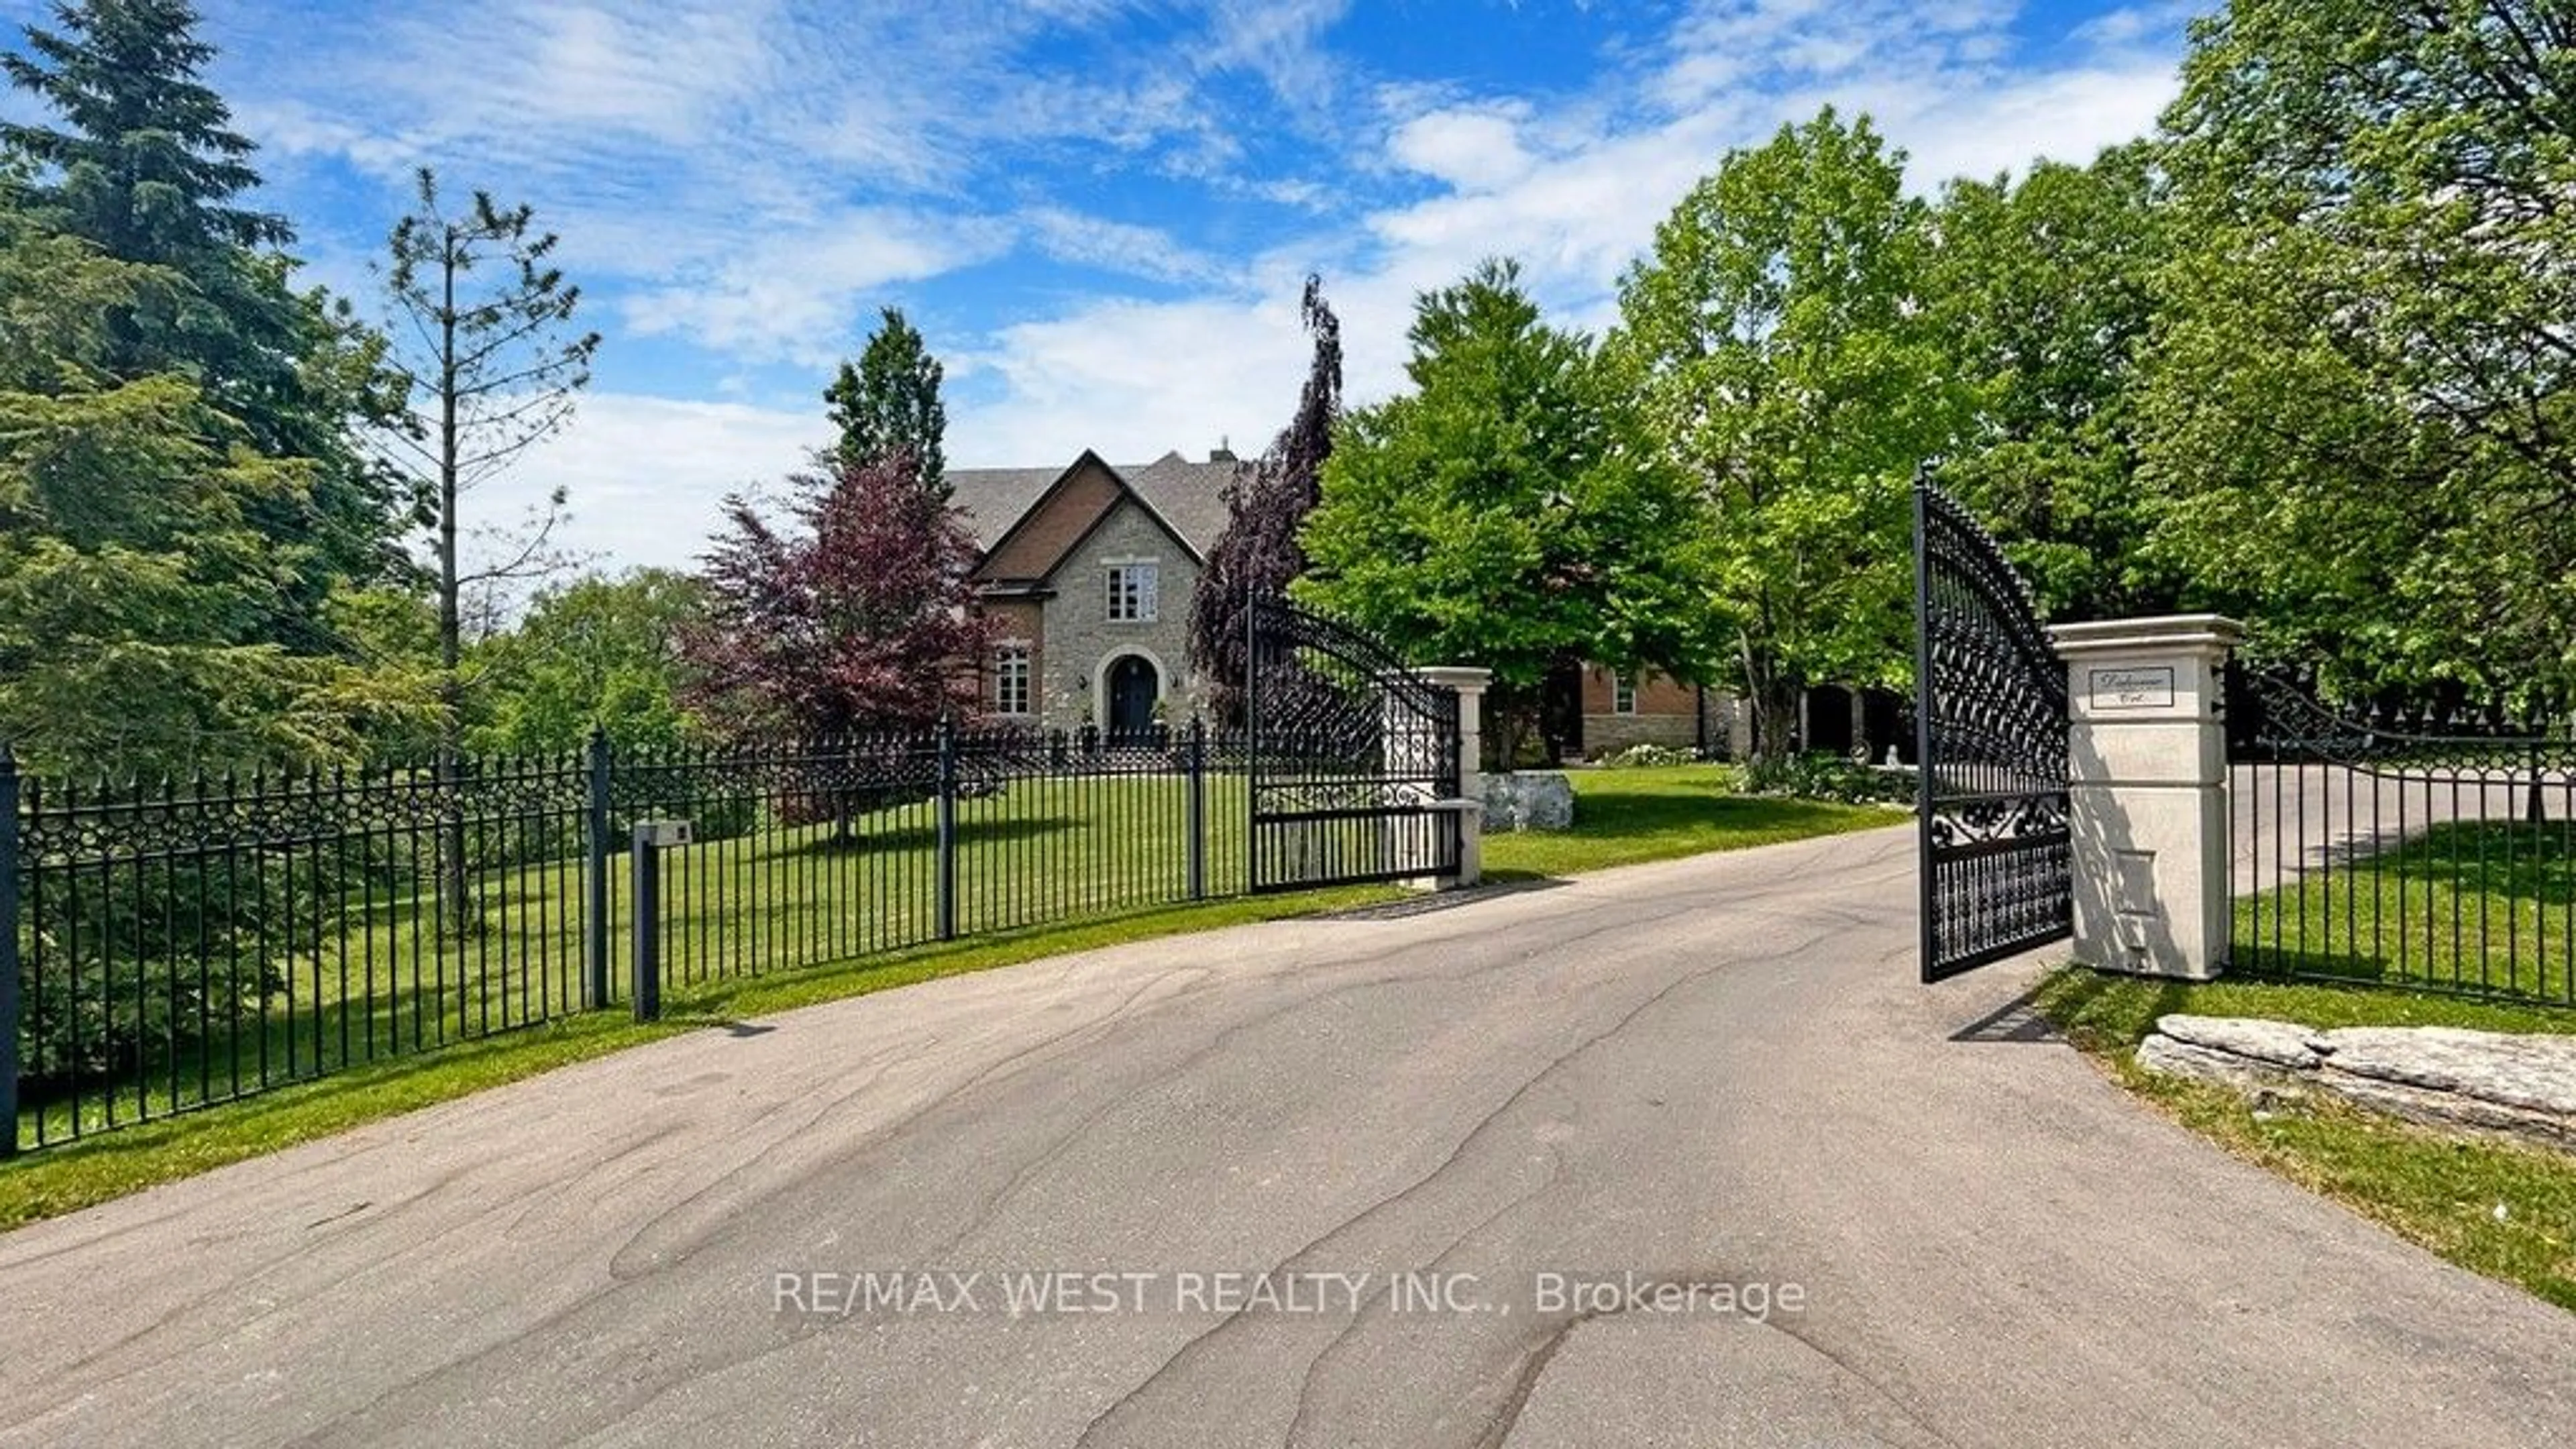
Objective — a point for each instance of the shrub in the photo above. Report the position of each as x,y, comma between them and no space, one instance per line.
1826,776
1647,757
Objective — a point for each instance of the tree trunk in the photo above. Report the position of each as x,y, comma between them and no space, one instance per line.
455,910
1771,698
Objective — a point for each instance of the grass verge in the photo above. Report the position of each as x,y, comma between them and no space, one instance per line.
1624,817
2507,1212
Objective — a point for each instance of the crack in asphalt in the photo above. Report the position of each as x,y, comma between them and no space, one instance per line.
1620,908
1314,1366
1398,1198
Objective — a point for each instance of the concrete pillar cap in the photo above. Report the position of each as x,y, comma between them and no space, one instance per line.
2183,633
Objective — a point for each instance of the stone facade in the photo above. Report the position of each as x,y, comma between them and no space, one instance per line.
1083,642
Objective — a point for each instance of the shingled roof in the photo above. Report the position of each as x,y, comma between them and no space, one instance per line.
1190,496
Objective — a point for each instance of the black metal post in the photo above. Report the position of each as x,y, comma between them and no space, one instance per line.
1252,744
644,866
8,953
1925,763
1198,808
594,983
947,829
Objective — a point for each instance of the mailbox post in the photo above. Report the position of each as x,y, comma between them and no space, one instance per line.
645,874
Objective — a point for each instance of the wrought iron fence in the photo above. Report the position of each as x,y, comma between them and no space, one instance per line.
165,948
2417,844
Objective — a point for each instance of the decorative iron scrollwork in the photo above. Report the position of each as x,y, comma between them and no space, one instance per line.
1991,717
1349,753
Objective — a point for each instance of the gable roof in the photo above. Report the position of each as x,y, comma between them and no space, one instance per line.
1187,498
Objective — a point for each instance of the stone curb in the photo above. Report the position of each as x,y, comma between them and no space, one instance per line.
2479,1082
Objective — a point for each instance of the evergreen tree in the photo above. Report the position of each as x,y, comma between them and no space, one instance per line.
150,168
133,583
146,167
1266,505
490,369
889,401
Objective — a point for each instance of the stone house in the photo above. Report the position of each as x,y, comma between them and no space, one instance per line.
1088,571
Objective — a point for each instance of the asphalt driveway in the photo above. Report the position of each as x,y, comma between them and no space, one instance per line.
1676,1155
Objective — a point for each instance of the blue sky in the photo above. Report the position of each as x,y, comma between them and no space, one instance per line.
1098,211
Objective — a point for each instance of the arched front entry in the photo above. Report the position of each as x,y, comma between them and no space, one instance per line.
1133,684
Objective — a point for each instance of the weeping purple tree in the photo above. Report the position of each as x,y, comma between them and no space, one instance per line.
1265,506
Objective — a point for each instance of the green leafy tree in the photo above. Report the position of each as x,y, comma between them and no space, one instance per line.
889,400
1505,513
1787,366
597,653
2043,292
146,168
2358,399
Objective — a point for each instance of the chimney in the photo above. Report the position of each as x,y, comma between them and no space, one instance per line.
1223,452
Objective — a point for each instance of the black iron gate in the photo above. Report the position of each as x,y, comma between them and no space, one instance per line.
1352,758
1990,721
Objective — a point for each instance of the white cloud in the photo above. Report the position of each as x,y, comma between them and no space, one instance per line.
646,477
1469,148
1130,380
790,296
750,180
1138,251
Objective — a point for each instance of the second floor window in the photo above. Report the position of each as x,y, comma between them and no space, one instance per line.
1131,593
1011,679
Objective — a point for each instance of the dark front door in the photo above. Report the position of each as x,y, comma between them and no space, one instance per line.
1133,688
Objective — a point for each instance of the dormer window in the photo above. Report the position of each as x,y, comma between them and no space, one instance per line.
1132,592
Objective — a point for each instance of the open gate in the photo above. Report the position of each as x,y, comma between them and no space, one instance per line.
1990,721
1352,757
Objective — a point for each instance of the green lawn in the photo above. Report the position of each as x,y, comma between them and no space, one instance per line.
2484,908
1625,817
767,921
2508,1212
369,975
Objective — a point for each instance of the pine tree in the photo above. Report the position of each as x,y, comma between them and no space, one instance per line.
889,401
490,370
133,586
150,167
146,167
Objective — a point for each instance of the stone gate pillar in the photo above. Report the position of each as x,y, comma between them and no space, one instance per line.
2147,786
1469,805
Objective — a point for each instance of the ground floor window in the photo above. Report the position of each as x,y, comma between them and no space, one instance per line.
1011,679
1623,694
